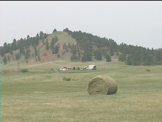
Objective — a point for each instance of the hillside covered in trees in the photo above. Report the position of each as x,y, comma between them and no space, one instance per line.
75,46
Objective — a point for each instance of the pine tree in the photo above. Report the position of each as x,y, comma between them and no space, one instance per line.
108,58
14,45
98,55
73,49
54,31
73,68
8,58
5,60
17,55
129,60
27,55
2,51
56,49
122,57
35,50
58,55
52,44
41,35
53,51
43,41
47,45
39,58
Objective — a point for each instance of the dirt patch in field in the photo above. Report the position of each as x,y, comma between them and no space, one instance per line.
44,57
31,61
60,46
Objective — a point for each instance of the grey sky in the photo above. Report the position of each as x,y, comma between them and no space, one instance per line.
131,22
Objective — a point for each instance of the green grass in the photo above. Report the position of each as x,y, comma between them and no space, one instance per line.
45,97
63,38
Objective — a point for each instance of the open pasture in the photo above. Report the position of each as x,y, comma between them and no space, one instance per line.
46,97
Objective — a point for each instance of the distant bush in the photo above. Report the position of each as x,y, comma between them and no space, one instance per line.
73,68
24,70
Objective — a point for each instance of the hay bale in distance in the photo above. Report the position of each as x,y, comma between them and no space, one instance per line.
66,79
102,84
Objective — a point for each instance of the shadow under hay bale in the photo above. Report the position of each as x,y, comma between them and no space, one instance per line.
102,84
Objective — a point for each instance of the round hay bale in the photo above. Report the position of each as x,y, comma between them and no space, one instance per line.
66,78
102,84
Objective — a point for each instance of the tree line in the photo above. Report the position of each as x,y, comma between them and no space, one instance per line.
88,46
131,55
137,55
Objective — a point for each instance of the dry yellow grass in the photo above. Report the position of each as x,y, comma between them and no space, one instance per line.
45,97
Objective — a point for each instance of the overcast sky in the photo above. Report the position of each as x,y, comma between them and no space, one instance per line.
131,22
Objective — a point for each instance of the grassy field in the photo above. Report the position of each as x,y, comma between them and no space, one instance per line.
45,97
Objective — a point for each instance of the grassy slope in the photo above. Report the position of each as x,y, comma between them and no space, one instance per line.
45,97
63,37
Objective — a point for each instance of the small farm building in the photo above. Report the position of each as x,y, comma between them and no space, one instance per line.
92,67
65,68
